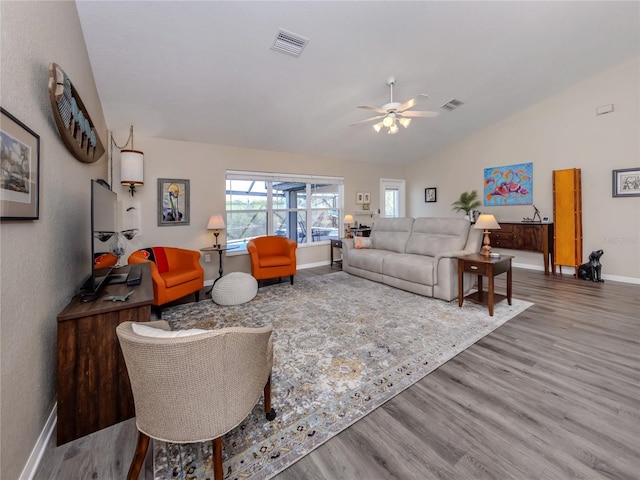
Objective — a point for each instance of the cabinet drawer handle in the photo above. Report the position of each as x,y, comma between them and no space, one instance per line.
474,267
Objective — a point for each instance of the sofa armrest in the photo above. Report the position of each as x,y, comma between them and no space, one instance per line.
452,255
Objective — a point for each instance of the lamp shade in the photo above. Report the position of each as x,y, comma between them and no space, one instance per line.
348,219
216,222
131,167
487,222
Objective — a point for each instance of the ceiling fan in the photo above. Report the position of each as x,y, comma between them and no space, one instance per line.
393,113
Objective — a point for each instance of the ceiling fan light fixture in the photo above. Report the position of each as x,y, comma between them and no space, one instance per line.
377,127
405,122
389,120
393,129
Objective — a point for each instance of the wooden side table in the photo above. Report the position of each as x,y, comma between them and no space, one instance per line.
335,244
93,383
484,266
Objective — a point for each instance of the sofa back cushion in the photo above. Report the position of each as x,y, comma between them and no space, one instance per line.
391,233
433,236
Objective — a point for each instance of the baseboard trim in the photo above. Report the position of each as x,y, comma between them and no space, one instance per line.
39,449
613,278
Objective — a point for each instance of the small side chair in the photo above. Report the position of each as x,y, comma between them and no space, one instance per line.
212,378
272,257
175,273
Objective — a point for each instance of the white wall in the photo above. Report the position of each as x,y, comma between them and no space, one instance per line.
42,261
558,133
204,166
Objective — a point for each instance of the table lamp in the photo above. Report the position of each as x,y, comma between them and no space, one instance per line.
348,220
486,222
216,223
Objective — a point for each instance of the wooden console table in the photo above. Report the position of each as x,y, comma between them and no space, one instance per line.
93,384
527,236
484,266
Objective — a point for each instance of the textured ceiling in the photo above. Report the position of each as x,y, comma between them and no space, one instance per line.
204,71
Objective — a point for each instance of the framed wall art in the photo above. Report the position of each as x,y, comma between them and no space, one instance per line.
20,164
626,182
359,198
366,196
509,185
430,195
173,202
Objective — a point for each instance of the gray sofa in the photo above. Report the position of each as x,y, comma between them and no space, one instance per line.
418,255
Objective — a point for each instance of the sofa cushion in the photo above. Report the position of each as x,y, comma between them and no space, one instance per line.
368,259
412,268
391,233
435,236
362,242
146,331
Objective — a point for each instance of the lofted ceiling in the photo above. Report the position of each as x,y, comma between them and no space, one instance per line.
204,71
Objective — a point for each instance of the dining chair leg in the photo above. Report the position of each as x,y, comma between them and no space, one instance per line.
271,413
138,456
291,279
217,458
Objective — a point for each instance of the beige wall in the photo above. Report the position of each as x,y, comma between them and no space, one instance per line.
40,260
205,165
560,132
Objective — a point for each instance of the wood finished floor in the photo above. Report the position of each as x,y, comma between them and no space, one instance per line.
552,394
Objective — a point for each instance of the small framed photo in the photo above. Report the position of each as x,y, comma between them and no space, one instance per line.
173,202
430,195
366,206
626,182
366,197
20,179
359,198
546,220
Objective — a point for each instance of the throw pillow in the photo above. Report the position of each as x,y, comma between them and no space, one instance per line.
146,331
362,242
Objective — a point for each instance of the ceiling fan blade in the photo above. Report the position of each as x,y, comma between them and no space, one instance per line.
367,120
375,109
423,114
411,103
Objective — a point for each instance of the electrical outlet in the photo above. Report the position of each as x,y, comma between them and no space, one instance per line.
207,258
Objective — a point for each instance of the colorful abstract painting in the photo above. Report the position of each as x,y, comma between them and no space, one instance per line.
509,185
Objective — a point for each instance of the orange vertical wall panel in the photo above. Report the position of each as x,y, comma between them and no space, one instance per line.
567,213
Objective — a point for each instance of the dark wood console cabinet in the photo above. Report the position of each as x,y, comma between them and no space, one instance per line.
531,237
93,384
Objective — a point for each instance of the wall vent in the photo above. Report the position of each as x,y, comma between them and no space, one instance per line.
451,105
289,43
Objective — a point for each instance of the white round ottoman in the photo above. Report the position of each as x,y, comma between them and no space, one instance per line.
234,288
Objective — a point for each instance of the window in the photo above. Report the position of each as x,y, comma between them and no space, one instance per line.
392,195
306,209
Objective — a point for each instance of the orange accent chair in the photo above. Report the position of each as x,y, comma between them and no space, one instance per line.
272,257
175,273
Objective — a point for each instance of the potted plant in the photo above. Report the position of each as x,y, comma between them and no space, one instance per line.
467,202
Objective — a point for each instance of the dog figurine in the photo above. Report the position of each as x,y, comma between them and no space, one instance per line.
591,270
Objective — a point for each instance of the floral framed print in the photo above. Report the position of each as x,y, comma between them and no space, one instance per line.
173,202
20,163
430,195
626,182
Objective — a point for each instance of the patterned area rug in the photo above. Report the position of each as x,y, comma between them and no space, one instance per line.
343,346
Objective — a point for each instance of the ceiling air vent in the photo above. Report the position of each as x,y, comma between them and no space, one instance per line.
289,43
451,105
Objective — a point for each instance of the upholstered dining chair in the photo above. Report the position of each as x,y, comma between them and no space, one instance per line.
272,257
194,385
175,273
